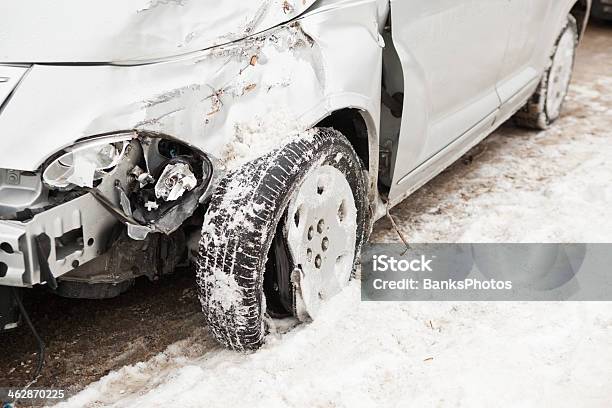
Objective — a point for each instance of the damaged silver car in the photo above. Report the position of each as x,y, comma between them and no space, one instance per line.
261,138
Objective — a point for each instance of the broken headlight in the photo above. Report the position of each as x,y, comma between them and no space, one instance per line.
86,162
150,183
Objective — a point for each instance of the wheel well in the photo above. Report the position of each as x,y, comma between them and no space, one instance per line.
351,124
579,11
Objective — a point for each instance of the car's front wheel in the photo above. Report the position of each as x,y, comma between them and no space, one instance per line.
281,234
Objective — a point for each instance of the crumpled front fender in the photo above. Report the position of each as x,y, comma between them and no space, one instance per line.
233,102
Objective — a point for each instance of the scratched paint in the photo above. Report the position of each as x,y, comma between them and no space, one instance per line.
286,78
135,30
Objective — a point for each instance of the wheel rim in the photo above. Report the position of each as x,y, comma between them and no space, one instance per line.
560,74
321,231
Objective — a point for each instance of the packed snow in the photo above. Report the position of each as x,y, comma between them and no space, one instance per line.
367,354
517,186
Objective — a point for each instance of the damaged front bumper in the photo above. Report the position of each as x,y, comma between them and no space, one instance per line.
53,242
150,184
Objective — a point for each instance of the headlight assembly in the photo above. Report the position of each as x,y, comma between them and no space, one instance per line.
152,184
86,162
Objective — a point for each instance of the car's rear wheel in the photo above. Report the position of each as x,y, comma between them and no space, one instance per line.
545,106
281,233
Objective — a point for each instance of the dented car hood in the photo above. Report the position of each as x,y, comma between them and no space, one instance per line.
75,31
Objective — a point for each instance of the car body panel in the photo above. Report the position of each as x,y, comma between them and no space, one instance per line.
286,79
10,76
524,62
523,59
77,31
431,37
433,135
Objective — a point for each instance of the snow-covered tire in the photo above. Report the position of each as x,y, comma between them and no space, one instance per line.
545,105
241,222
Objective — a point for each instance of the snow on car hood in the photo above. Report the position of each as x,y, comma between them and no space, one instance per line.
130,30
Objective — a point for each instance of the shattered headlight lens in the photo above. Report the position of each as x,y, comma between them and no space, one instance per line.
86,162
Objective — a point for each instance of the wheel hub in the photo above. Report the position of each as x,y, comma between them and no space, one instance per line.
321,231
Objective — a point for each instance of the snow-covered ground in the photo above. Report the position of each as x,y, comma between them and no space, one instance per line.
403,354
520,186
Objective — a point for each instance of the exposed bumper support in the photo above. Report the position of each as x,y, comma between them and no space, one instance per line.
65,237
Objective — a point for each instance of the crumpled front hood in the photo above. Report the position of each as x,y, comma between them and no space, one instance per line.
80,31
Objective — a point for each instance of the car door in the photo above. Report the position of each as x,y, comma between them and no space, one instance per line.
451,52
527,51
